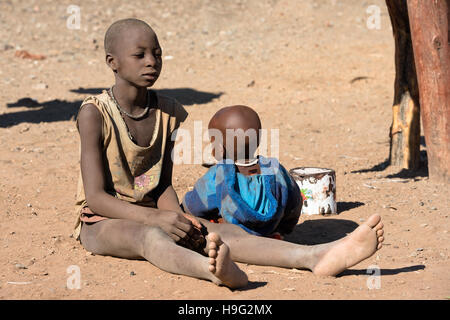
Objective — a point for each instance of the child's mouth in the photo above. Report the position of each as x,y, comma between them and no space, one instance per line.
151,76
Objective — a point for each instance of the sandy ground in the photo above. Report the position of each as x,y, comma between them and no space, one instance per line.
312,69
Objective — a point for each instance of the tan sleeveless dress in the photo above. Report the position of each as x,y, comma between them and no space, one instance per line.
131,171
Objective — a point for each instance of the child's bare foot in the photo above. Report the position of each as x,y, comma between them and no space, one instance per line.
221,265
363,242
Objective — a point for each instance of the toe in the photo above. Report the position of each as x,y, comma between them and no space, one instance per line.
212,253
380,239
212,246
212,268
373,220
212,261
379,226
380,232
214,237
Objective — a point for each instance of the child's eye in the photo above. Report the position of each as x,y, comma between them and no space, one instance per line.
139,55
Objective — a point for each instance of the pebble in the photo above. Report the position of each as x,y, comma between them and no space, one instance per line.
20,266
132,273
423,225
40,86
433,208
419,249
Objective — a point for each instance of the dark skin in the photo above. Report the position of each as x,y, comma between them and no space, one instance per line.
237,117
136,64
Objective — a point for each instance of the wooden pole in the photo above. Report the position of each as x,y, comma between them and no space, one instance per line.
405,129
429,24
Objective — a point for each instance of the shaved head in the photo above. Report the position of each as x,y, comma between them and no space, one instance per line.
112,36
239,127
235,117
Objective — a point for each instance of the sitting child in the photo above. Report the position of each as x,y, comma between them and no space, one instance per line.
258,194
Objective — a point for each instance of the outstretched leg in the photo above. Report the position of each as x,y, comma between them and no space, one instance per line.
323,259
132,240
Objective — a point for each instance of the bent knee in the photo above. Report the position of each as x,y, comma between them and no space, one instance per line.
88,237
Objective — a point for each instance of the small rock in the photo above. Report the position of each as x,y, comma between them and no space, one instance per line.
423,225
433,208
289,289
419,249
20,266
37,150
29,205
7,46
40,86
132,273
421,204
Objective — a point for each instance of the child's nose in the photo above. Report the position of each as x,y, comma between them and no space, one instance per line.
150,60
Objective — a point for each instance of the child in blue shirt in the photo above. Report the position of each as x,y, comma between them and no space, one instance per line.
256,193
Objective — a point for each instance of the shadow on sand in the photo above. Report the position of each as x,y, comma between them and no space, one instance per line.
63,110
383,272
311,232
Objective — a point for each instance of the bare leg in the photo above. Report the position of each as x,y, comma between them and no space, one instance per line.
323,259
132,240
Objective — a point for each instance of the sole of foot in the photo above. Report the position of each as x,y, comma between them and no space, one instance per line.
225,271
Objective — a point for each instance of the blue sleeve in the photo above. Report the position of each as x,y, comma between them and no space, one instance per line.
201,201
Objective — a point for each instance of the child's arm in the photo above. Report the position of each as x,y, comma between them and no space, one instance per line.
90,127
165,194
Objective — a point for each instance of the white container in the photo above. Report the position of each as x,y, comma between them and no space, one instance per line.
318,189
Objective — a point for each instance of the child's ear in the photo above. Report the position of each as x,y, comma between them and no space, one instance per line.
111,62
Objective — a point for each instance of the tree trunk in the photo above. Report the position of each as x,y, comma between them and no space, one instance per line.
405,128
430,40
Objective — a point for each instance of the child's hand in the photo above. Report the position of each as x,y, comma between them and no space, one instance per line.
183,228
194,221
